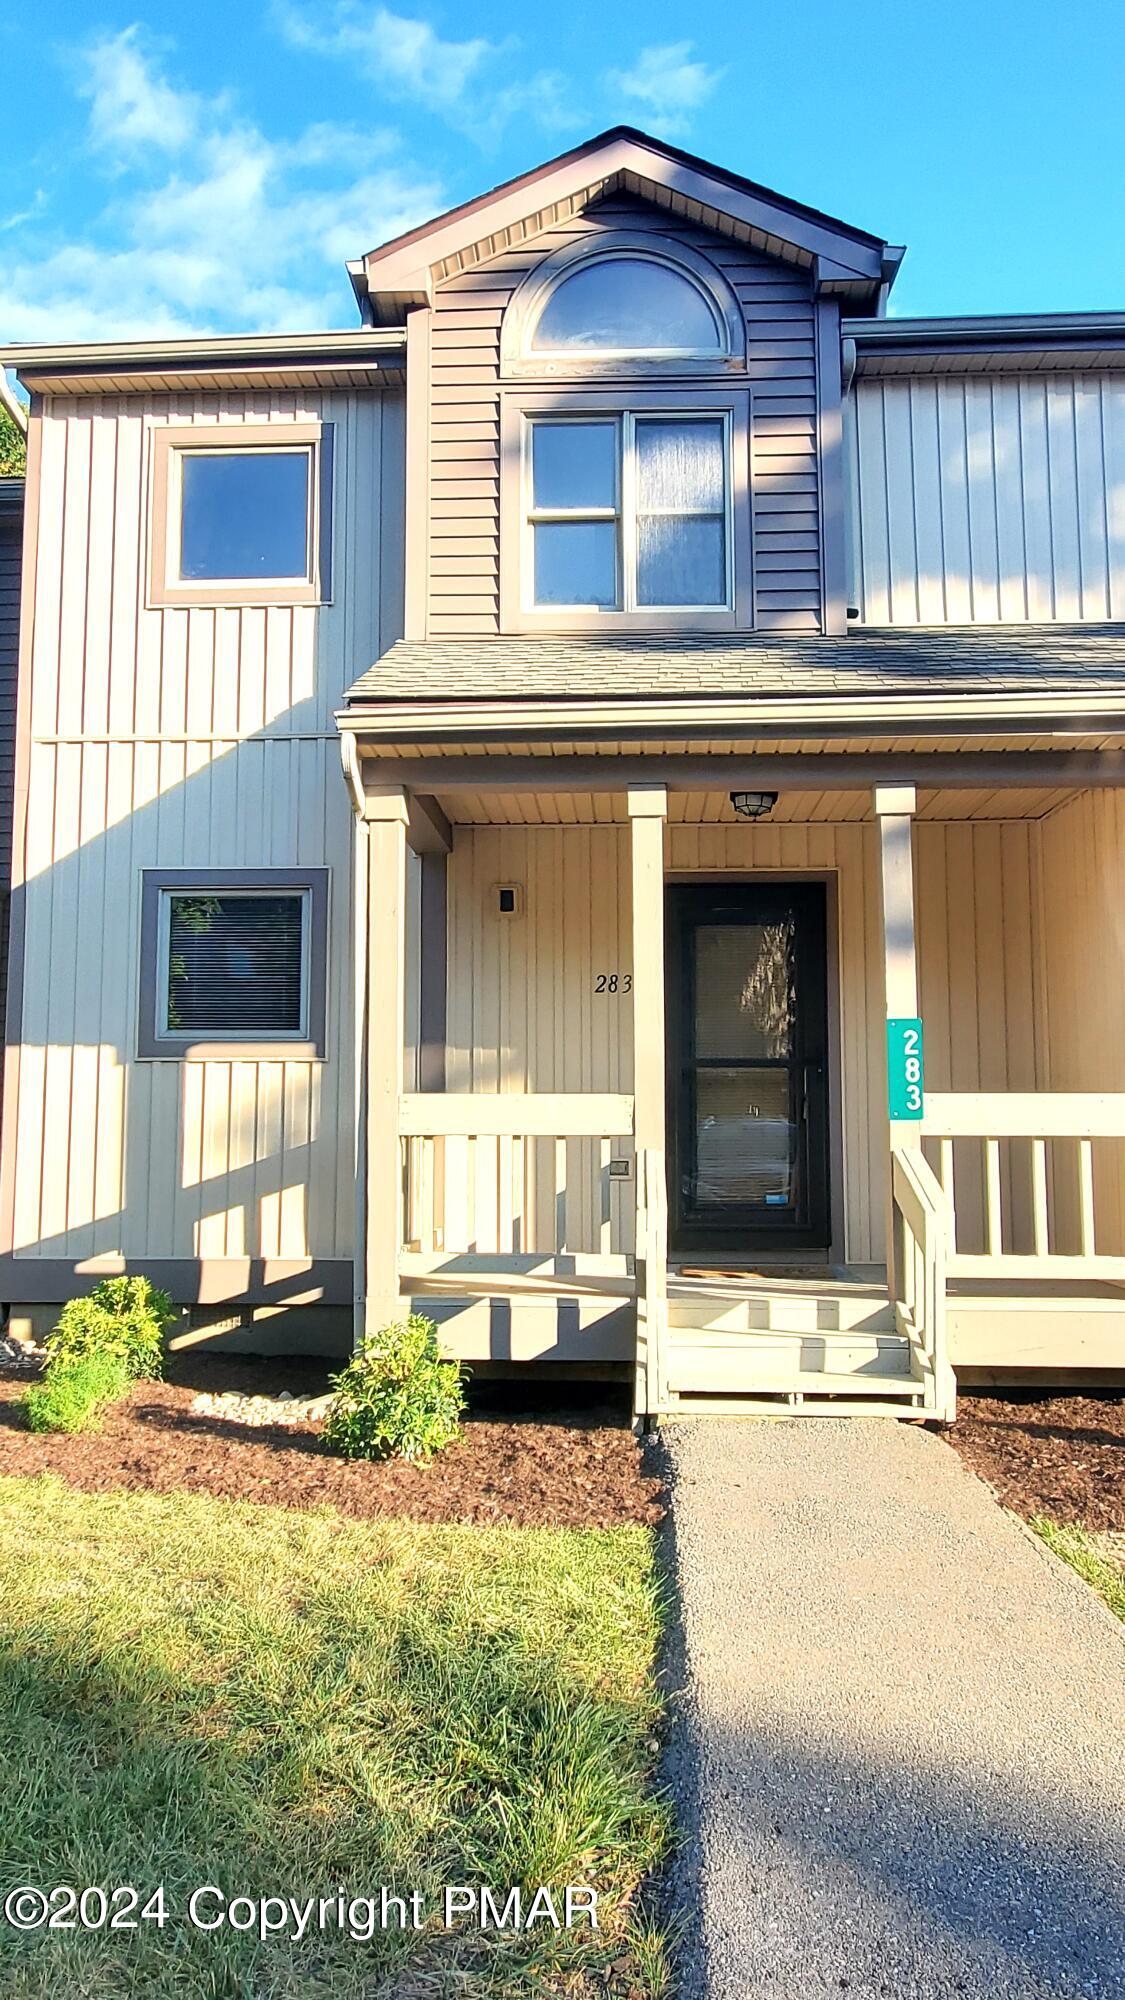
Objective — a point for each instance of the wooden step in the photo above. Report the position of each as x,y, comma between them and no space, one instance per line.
767,1310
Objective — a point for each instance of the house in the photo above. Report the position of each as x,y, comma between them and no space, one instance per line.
707,964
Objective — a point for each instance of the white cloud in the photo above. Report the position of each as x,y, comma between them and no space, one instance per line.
132,105
406,59
240,231
667,84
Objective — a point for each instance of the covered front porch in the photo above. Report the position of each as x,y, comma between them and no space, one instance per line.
524,1172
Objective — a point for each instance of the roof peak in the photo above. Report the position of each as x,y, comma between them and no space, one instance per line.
405,268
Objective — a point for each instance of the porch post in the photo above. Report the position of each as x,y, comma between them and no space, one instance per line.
386,814
648,810
894,810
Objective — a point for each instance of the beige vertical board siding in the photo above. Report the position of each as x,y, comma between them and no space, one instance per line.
464,593
169,1159
524,1016
1084,955
987,499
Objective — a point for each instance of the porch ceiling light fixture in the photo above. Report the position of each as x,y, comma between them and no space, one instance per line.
753,805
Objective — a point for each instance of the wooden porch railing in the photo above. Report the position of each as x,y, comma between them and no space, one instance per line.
1039,1203
918,1221
514,1177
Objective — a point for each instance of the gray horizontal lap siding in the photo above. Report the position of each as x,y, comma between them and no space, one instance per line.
464,531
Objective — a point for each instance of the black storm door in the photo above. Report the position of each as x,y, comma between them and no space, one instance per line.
747,1048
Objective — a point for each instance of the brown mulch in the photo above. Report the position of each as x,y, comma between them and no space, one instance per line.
575,1467
1058,1456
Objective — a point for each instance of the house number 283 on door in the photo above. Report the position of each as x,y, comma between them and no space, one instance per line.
613,982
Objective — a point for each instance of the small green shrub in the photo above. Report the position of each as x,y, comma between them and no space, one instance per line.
396,1397
73,1394
123,1318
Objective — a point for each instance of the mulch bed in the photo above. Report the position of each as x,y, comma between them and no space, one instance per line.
578,1467
1058,1456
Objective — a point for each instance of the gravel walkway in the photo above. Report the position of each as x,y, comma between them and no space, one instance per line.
900,1756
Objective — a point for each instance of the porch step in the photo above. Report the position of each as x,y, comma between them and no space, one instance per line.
740,1363
789,1307
788,1344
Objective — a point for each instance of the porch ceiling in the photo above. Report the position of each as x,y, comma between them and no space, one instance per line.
501,804
502,808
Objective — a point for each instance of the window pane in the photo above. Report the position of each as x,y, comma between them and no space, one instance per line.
745,1139
576,562
234,964
680,466
244,514
574,465
745,983
631,304
681,561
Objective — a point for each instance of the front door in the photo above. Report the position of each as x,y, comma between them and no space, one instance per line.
747,1048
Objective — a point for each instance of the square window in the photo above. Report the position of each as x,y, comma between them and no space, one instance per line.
233,957
244,514
241,514
234,963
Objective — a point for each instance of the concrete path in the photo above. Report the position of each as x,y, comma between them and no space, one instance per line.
900,1752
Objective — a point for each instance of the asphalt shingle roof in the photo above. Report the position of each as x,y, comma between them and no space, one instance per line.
1012,659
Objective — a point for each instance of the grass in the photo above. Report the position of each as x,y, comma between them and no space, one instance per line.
287,1704
1082,1551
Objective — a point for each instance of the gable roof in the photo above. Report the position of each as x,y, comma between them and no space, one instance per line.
404,271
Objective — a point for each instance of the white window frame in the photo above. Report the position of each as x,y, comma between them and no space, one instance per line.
519,357
171,445
519,414
625,514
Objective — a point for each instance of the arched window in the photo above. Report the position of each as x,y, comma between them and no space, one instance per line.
628,304
622,303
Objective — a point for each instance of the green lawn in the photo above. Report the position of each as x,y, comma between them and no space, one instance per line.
194,1692
1083,1551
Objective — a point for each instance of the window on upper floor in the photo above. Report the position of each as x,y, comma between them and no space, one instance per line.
625,302
625,511
628,305
629,512
240,514
624,450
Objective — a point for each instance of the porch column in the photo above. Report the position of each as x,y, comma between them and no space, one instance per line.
648,810
894,811
386,814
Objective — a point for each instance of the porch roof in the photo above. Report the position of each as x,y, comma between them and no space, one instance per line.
1015,660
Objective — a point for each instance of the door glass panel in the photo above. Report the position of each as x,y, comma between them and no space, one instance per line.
745,1138
745,990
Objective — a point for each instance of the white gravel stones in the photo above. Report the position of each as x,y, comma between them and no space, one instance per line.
259,1411
898,1751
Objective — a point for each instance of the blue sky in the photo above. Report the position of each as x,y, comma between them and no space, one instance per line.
209,167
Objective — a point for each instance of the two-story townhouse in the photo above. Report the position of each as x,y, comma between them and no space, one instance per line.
709,961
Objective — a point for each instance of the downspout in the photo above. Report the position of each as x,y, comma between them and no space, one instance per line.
848,360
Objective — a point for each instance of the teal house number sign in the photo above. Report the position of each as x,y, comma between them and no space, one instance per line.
906,1080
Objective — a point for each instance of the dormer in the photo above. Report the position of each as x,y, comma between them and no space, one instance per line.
623,404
